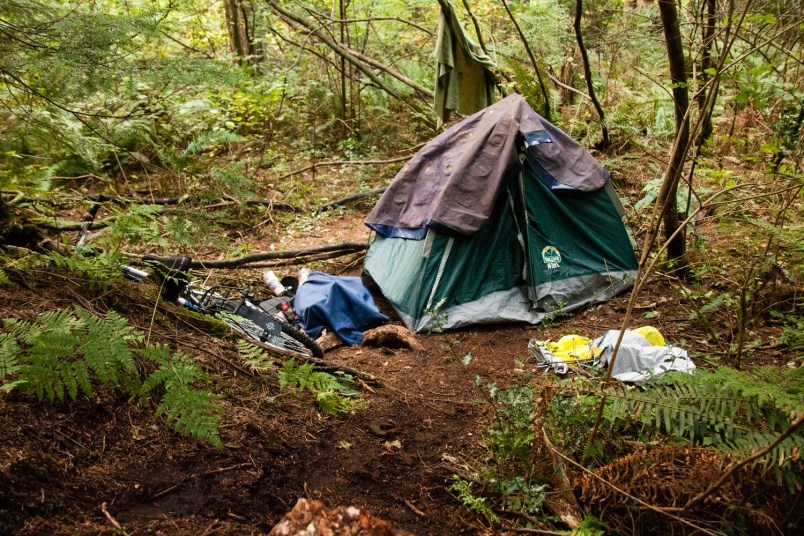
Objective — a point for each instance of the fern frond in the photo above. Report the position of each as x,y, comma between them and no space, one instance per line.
769,386
332,403
288,374
328,391
43,375
178,371
97,268
477,504
737,412
156,353
106,346
209,139
692,412
9,355
63,351
50,345
784,461
53,328
255,358
192,412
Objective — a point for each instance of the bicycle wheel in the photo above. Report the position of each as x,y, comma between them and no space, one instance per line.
301,341
274,335
255,323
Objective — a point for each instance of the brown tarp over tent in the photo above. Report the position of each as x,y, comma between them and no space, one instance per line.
453,182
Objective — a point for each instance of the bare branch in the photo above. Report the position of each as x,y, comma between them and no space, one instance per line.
343,248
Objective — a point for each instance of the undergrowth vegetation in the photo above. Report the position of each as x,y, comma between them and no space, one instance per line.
65,354
333,395
197,140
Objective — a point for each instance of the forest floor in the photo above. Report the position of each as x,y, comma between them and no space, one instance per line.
76,468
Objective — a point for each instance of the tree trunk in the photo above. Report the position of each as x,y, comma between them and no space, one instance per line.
345,79
566,78
706,64
237,26
546,109
678,76
587,72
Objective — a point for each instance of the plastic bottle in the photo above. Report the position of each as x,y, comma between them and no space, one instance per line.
273,283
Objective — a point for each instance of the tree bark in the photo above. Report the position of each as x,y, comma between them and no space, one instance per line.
345,80
706,64
237,26
587,72
678,75
476,24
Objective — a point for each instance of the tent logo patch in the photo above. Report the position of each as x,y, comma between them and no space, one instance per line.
551,257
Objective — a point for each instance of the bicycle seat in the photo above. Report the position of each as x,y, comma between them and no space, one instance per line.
172,272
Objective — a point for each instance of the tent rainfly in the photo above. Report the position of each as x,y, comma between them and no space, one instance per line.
500,218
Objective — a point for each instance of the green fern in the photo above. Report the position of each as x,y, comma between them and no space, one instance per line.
784,460
209,139
254,357
138,224
463,489
679,410
737,412
100,267
189,411
106,349
63,353
52,348
328,391
193,412
9,355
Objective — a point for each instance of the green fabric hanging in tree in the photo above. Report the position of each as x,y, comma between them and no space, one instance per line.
463,78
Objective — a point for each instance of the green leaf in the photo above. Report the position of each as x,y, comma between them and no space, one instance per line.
9,355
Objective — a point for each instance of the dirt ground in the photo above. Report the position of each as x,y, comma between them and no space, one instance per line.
78,468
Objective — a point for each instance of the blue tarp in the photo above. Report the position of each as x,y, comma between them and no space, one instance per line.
341,304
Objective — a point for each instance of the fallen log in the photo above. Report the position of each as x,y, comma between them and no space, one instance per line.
351,198
316,165
344,248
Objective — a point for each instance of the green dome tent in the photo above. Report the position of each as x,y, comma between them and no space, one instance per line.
500,218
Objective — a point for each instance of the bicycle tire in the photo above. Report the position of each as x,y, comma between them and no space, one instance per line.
240,316
289,341
302,338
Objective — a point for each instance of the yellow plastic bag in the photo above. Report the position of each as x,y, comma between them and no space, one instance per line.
652,334
572,348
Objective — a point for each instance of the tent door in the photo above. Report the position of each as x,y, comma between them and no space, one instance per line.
440,273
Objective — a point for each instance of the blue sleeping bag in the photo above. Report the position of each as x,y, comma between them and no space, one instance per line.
343,305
